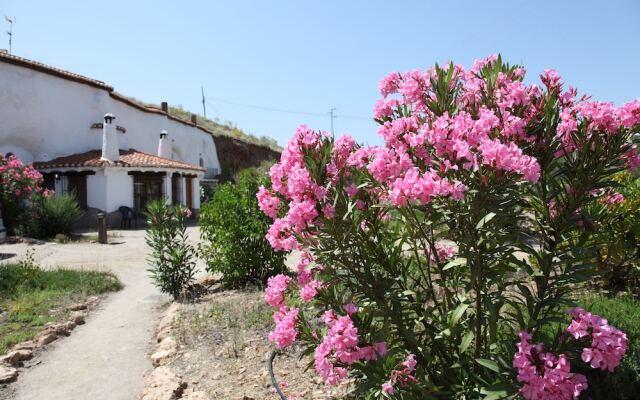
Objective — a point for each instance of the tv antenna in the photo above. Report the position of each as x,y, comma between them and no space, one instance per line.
10,31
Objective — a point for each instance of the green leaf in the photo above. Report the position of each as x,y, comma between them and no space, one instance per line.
454,263
485,219
458,313
500,394
466,341
489,364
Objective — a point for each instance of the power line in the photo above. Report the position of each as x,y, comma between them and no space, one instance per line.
215,110
331,114
269,108
354,117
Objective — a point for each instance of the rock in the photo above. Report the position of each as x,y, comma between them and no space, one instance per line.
77,317
164,328
46,337
77,307
29,345
92,300
14,358
163,384
167,348
10,359
68,327
25,354
190,394
208,280
8,374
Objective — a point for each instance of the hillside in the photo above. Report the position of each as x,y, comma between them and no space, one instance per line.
236,149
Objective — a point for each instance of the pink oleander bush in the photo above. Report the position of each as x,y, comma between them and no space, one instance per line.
425,259
19,183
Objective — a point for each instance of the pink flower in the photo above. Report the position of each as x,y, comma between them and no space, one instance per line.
612,198
387,388
544,375
276,286
309,291
285,331
608,344
268,203
389,84
384,108
410,363
350,308
551,78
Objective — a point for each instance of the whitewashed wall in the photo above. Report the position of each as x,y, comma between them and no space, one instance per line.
43,117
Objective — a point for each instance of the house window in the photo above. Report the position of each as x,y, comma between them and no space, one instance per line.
146,188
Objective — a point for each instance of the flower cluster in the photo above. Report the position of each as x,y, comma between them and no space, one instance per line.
608,344
340,345
402,376
276,287
545,375
17,180
285,332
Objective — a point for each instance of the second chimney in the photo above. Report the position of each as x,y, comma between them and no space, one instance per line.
110,148
164,145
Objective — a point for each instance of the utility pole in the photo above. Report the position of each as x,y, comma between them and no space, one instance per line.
10,31
332,114
204,107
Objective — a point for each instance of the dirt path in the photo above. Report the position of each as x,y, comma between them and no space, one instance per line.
107,358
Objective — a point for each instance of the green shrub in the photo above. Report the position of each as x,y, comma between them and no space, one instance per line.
172,258
50,216
624,382
233,231
619,234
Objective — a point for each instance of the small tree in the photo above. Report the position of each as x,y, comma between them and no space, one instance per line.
233,229
172,258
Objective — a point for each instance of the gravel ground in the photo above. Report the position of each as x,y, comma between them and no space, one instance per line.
223,351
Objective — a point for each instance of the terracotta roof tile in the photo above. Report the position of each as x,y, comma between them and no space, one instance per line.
128,158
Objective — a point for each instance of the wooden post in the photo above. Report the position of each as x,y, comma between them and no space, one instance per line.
102,228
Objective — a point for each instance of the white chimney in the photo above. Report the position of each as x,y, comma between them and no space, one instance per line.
110,148
164,145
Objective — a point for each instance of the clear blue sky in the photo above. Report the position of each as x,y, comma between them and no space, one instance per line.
311,56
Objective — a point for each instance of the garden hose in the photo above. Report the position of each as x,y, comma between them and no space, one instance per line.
274,382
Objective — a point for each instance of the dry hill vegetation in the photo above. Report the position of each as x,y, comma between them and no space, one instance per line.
237,149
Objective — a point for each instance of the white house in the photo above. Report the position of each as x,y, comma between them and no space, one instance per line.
106,148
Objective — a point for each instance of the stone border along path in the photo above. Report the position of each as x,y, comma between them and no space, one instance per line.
108,357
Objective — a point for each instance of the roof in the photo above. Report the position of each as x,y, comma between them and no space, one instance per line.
128,158
38,66
71,76
60,73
